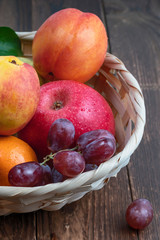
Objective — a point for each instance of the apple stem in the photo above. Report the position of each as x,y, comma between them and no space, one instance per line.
51,74
52,155
14,62
57,105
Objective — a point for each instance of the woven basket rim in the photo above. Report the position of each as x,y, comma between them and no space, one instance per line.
91,177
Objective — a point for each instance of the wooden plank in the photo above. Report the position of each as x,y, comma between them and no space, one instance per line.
18,226
16,14
134,37
98,215
145,167
134,29
42,9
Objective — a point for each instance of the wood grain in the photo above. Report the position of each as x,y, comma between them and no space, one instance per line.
16,14
43,9
144,169
98,215
134,38
18,226
134,30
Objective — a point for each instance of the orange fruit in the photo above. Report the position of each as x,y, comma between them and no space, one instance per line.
12,152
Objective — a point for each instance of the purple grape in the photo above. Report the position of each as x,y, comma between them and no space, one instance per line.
69,163
57,176
61,135
90,167
99,150
26,174
47,175
90,136
139,214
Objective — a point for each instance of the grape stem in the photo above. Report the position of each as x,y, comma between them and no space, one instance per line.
52,155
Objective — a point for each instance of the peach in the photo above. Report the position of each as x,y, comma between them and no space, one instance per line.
19,94
70,44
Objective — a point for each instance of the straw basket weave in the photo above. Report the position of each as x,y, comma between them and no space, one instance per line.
124,95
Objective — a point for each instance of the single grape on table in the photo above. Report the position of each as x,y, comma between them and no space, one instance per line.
139,214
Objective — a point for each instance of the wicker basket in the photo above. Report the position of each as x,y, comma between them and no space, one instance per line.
123,93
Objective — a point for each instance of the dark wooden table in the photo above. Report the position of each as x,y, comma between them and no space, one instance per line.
134,36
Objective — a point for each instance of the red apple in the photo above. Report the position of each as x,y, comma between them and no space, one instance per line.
79,103
19,94
70,44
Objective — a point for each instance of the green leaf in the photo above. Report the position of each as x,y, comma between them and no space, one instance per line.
10,44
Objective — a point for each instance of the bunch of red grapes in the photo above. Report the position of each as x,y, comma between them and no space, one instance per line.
69,158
